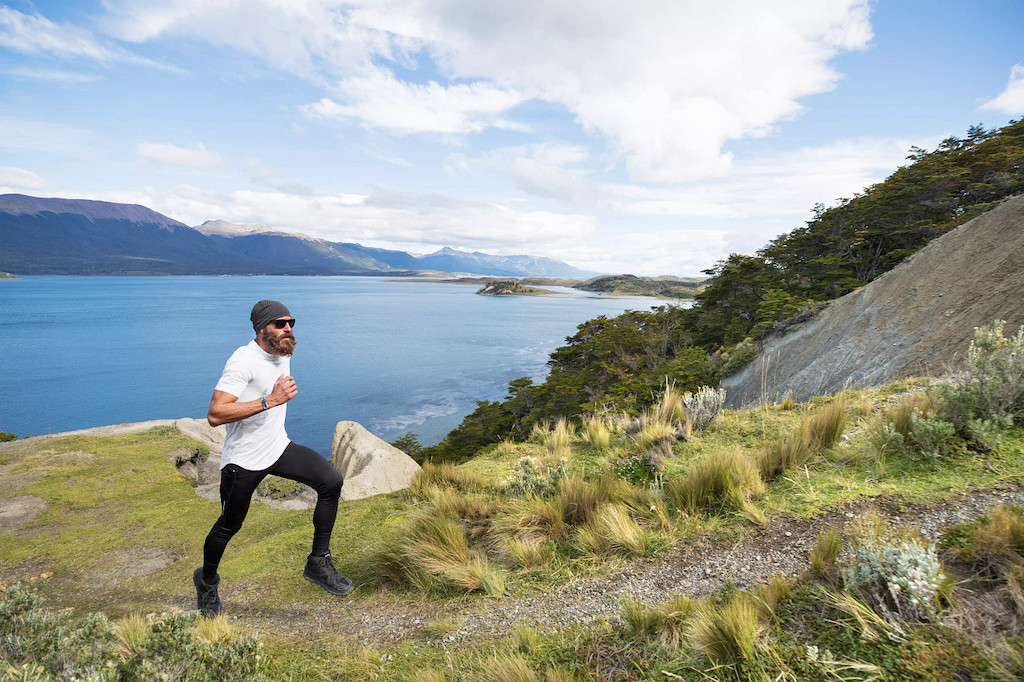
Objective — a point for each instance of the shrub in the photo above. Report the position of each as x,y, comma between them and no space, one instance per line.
701,407
724,480
50,645
896,578
532,477
991,385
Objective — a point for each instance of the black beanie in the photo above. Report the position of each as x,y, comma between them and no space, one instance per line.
265,312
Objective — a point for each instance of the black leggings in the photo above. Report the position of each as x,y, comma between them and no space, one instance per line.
297,463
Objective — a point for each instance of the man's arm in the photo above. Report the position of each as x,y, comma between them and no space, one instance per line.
225,408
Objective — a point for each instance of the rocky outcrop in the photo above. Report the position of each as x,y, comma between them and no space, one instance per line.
917,319
370,465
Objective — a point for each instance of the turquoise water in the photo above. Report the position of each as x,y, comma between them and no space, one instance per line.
395,356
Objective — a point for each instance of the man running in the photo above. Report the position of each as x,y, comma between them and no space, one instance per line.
251,398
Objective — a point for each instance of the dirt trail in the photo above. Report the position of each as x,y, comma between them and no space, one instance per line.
781,548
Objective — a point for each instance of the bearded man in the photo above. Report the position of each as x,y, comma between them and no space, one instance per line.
250,398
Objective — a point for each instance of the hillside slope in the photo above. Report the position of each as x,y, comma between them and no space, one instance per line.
916,319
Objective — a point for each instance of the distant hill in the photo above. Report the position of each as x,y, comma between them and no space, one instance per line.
631,285
81,237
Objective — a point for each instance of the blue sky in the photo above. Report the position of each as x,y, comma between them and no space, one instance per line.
649,137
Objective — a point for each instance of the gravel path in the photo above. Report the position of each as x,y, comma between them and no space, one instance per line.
780,548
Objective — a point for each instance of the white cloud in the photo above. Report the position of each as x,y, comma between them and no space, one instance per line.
380,100
172,155
666,83
1011,100
33,34
548,170
12,179
51,75
383,216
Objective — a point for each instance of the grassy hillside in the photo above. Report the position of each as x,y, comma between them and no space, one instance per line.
737,545
619,363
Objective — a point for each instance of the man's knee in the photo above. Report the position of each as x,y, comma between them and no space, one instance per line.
331,485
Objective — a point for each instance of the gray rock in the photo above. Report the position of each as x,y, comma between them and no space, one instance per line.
370,465
918,319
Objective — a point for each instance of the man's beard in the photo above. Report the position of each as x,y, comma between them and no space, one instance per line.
285,345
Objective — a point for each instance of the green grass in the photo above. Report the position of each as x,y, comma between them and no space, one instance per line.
456,538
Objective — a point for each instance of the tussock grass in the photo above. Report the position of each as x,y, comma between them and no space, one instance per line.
653,434
434,553
579,498
826,424
612,530
475,510
597,432
526,640
728,633
675,620
820,430
129,632
825,553
725,480
506,666
640,619
791,452
446,475
669,408
558,441
216,629
529,553
999,541
534,519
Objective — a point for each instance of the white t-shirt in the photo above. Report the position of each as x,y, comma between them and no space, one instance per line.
256,442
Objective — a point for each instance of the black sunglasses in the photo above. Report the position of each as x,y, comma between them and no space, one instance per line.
279,324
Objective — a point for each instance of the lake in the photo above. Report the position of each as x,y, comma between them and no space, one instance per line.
396,356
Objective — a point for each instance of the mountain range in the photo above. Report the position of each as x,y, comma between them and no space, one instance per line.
49,236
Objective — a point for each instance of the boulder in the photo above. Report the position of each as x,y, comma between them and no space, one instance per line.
200,430
370,465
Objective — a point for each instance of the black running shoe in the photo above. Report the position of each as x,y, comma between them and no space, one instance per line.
320,570
207,600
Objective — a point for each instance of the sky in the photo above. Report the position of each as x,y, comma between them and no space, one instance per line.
651,137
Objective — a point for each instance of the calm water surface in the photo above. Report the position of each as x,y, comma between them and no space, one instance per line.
395,356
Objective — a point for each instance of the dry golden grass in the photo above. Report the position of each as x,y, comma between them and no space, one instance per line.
579,498
611,529
825,553
597,432
826,424
446,475
727,633
723,480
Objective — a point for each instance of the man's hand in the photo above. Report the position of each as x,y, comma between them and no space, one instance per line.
284,390
225,408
